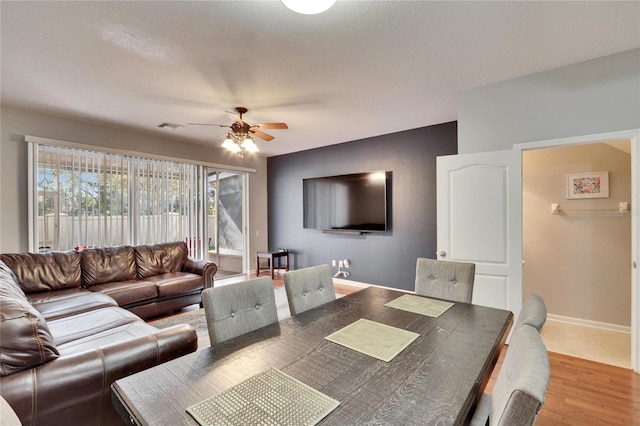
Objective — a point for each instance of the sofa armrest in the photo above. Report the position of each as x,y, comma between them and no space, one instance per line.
84,379
205,268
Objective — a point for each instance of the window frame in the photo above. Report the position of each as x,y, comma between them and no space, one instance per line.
201,201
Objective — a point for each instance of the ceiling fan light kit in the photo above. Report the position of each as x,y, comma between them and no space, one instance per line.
239,140
309,7
239,145
231,145
249,145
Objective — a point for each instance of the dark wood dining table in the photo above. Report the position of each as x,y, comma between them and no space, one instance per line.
437,379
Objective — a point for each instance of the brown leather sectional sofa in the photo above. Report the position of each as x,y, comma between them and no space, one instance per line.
71,325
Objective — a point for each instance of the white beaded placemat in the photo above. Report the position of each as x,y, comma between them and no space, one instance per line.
268,398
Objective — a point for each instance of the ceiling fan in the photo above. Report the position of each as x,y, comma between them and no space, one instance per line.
240,136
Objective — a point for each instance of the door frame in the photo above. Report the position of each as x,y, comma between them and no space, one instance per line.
244,176
634,136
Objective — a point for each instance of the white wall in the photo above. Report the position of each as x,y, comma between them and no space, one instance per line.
588,234
588,98
597,96
16,123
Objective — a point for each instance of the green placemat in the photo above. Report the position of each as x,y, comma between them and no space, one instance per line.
374,339
268,398
420,305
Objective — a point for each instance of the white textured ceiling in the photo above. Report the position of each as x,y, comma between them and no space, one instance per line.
362,69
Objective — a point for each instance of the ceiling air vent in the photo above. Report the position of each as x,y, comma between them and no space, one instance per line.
171,126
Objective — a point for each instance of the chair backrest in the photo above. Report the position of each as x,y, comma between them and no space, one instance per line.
236,309
522,382
445,280
533,312
308,287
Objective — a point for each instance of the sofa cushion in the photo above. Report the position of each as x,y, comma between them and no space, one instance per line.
128,292
9,282
80,326
177,283
45,271
108,264
25,338
110,336
63,303
159,259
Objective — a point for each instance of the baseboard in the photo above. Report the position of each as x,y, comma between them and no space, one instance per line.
589,323
357,284
350,283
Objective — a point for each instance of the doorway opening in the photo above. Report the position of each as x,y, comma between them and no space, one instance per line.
577,250
226,212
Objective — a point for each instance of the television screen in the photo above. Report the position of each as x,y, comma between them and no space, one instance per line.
354,202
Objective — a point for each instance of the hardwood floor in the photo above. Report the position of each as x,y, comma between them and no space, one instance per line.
581,392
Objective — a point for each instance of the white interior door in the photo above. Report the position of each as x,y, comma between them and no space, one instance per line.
479,207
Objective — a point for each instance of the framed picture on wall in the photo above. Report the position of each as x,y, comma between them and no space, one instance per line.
588,185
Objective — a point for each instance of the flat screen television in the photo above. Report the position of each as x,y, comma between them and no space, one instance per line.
353,202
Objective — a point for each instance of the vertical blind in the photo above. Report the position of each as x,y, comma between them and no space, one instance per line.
168,201
90,198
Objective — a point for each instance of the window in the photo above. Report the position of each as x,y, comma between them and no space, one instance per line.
89,198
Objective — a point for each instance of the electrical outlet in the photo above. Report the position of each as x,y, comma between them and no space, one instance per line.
345,263
333,262
340,264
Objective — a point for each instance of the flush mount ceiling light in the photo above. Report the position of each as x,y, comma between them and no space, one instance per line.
309,7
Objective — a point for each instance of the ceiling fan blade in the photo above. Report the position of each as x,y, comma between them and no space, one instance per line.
271,125
209,124
261,135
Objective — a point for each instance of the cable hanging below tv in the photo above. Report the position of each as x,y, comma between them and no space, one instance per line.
350,204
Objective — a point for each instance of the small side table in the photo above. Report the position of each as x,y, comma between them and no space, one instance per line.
271,257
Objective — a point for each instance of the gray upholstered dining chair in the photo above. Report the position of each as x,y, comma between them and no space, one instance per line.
308,287
522,383
445,280
533,312
236,309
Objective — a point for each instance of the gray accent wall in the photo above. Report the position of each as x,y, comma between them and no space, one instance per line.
387,258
